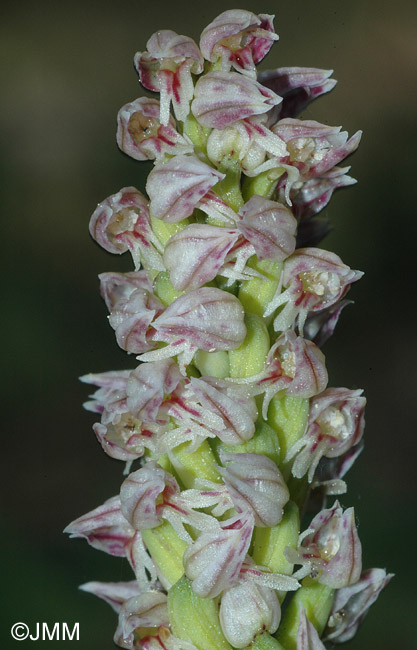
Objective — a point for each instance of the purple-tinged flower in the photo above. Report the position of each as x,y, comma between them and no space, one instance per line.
246,610
121,223
316,193
167,67
147,386
216,208
104,528
351,604
307,635
293,364
297,86
176,186
119,286
214,560
255,484
330,549
151,494
141,135
127,439
207,319
147,610
131,318
121,435
314,279
222,98
239,38
335,425
110,398
137,608
314,148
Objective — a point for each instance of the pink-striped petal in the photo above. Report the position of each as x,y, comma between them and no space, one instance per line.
176,186
214,560
269,226
195,254
222,98
207,318
147,386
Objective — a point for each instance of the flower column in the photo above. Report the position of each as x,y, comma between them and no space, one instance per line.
227,417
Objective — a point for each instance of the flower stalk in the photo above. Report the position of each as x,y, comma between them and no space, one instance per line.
228,430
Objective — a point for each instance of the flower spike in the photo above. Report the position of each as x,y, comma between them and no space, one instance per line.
228,418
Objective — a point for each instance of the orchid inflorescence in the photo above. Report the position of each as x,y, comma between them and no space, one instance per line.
228,417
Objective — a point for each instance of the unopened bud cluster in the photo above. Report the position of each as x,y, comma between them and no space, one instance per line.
227,428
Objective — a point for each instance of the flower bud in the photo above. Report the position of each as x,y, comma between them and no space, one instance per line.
214,560
246,610
255,484
139,494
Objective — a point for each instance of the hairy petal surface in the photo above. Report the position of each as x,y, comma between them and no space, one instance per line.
214,560
139,493
176,186
269,227
255,484
147,386
246,610
195,254
208,318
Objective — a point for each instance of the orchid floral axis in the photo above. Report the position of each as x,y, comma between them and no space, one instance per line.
228,430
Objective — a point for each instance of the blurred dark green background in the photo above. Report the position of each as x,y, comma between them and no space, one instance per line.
67,69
